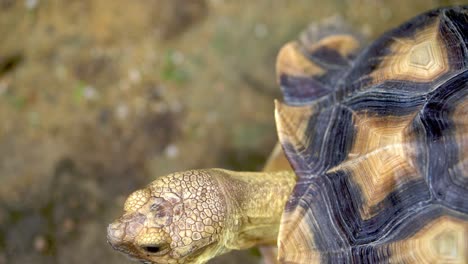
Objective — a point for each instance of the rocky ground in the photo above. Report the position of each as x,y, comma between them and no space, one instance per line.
97,98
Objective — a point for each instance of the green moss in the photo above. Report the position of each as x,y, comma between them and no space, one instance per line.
171,70
78,92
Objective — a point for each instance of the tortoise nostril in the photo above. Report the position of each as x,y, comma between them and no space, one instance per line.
115,233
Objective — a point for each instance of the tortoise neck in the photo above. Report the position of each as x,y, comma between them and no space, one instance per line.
255,202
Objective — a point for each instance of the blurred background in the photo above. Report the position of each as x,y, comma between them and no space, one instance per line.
98,98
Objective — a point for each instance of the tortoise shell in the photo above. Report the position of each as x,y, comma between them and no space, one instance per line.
378,138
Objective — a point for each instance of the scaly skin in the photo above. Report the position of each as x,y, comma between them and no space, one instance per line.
193,216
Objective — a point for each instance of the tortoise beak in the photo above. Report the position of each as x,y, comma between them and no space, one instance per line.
116,233
125,229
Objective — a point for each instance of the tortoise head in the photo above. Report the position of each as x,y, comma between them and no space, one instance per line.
178,218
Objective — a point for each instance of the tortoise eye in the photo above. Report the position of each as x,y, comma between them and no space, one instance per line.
152,249
155,249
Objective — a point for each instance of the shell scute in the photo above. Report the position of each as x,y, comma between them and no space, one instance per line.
378,138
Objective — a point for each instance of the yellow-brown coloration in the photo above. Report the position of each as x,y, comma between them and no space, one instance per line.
344,45
444,240
380,160
291,121
175,215
420,58
277,160
297,244
460,117
258,201
197,210
192,216
136,200
291,61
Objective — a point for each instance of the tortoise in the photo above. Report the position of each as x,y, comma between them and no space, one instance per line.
377,138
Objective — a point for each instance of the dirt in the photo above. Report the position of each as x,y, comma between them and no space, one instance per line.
98,98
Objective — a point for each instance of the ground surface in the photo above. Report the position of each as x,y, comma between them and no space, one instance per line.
97,98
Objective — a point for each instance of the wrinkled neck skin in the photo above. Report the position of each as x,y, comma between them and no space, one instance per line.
254,202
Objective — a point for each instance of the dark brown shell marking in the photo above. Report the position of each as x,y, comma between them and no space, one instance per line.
379,141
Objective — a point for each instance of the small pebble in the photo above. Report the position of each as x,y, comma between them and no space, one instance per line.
122,111
90,93
31,4
40,244
172,151
134,75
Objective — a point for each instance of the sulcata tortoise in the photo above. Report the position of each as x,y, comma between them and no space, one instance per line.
378,141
